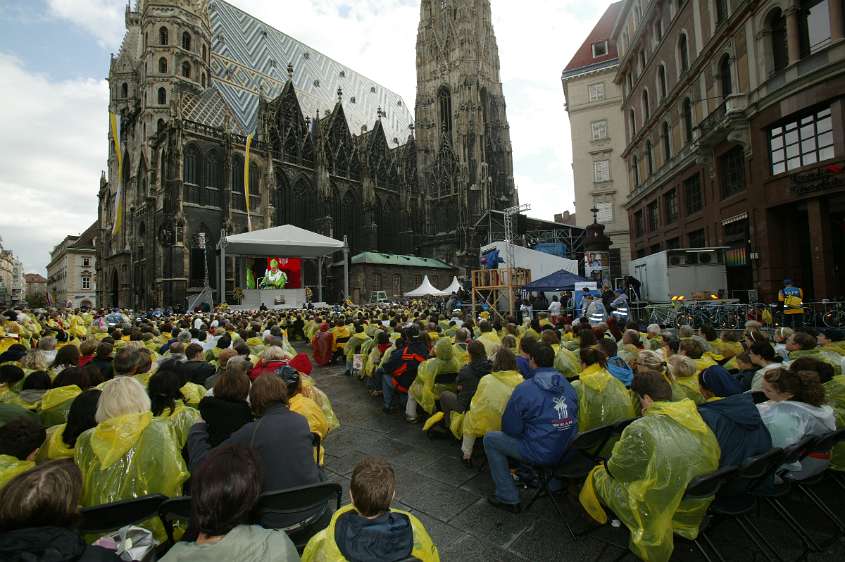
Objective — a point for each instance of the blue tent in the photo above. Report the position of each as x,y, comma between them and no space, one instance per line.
558,281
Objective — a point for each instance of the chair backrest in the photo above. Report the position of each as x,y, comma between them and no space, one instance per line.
297,500
796,452
174,509
445,378
620,426
827,441
112,516
594,440
758,471
315,441
707,485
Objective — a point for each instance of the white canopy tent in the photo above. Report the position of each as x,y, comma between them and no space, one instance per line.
453,288
286,241
426,289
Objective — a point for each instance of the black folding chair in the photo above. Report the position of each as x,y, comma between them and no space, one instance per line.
822,444
174,509
575,466
703,487
304,499
115,515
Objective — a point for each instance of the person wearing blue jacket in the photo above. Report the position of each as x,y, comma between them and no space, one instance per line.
738,427
539,423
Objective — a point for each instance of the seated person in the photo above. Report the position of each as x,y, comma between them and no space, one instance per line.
644,480
488,338
795,410
196,369
224,492
400,369
19,443
226,410
683,373
322,345
616,366
524,357
129,453
35,385
368,529
487,405
166,403
274,358
745,370
539,423
38,512
602,398
353,347
716,382
424,390
283,441
304,405
466,384
764,358
737,425
61,439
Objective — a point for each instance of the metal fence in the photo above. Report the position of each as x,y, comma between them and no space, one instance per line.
820,315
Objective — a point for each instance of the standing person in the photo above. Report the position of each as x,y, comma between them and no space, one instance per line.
554,309
791,299
539,423
633,284
619,306
607,297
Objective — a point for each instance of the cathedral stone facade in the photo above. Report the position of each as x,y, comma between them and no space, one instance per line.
332,151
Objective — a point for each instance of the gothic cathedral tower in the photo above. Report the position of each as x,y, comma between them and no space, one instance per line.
462,133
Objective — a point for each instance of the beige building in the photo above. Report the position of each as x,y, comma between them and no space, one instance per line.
11,277
35,287
71,274
593,102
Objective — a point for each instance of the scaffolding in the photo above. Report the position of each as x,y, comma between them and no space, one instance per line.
497,289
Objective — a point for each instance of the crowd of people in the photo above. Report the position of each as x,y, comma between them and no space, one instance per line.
108,406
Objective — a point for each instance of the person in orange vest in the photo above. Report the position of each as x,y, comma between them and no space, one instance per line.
791,299
400,370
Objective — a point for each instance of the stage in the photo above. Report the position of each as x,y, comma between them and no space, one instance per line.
273,298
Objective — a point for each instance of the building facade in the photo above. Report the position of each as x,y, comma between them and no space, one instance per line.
331,151
71,273
393,274
597,129
36,288
11,278
734,130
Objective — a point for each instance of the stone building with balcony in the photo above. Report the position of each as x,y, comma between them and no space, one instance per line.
734,122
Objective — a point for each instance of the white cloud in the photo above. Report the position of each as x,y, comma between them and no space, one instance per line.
101,18
51,150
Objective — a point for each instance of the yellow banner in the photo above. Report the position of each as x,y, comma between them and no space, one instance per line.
118,200
246,183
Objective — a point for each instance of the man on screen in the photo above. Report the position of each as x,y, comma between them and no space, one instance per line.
275,278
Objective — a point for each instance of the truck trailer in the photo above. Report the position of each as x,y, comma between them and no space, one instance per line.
689,273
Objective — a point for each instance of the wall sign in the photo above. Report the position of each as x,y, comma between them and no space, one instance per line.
820,179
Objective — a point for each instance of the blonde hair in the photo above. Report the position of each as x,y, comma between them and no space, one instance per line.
650,360
274,353
681,366
121,396
783,333
35,360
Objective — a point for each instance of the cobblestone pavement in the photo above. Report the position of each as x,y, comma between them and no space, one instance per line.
450,500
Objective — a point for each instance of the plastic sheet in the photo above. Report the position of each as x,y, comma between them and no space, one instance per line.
323,548
834,391
488,404
423,389
602,399
55,404
54,447
12,466
567,363
647,475
310,390
181,420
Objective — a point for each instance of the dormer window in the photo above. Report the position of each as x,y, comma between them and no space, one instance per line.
599,49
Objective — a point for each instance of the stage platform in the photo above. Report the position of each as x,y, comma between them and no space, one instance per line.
273,298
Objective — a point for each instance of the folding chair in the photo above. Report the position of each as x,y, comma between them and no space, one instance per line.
115,515
704,487
295,501
174,509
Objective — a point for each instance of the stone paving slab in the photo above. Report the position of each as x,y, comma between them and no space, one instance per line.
449,498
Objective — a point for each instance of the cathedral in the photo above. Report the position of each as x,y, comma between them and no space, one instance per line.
332,151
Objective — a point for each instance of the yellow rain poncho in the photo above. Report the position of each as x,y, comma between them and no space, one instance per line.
310,390
834,392
687,387
567,363
459,350
828,357
648,472
128,457
12,466
317,423
488,404
54,446
602,399
491,343
182,418
323,548
55,404
340,333
355,344
193,393
423,389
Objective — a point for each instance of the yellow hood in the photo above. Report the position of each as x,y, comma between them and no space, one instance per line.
112,438
56,396
683,412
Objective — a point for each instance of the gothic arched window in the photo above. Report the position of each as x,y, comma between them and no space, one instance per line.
162,65
687,111
776,26
124,90
683,53
186,41
186,69
163,36
725,76
214,170
444,98
162,96
192,166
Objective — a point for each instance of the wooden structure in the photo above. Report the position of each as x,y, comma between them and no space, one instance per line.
497,288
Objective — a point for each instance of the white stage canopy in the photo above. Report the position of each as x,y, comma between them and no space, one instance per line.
285,241
453,288
424,290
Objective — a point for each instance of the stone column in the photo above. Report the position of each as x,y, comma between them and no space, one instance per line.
836,24
793,34
821,248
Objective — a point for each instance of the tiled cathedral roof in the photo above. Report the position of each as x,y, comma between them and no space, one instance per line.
209,108
248,56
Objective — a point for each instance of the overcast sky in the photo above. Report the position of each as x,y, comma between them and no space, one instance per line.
54,57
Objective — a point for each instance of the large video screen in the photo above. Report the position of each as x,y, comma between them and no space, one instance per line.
277,273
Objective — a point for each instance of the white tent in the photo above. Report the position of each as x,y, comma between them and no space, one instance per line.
453,288
286,241
424,290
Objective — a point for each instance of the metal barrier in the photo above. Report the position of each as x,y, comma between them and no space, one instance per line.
819,315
